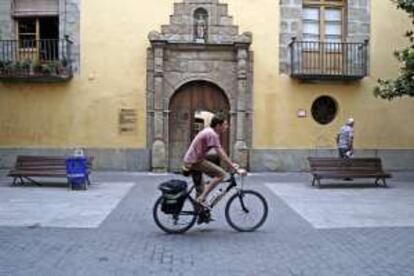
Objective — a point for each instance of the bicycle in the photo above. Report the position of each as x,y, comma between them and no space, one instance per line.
249,205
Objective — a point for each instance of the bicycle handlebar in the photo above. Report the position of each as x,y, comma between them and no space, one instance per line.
241,172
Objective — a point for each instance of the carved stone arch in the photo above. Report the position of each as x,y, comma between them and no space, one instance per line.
222,58
188,81
217,82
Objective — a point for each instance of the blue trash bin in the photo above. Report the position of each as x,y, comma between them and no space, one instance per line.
76,172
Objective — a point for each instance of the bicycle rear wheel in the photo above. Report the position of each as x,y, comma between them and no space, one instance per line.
246,211
175,223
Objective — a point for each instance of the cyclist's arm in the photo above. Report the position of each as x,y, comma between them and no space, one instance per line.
223,156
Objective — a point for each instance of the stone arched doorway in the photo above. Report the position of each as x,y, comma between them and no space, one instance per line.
192,98
200,43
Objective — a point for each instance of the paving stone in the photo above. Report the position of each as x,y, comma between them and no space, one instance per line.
128,242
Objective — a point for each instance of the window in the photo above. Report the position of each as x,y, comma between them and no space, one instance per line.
322,49
324,110
325,48
37,28
39,45
27,33
323,20
38,37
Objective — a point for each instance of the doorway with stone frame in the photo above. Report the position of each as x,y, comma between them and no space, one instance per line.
187,107
190,71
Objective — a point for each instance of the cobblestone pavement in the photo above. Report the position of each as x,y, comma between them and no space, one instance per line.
129,243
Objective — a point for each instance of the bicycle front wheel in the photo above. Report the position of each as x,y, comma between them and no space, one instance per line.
175,223
246,211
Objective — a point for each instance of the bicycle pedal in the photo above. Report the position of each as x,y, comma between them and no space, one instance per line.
202,208
204,216
204,220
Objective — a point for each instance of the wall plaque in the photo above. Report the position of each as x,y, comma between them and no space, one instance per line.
127,121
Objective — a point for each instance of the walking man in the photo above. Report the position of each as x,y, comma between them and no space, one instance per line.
345,139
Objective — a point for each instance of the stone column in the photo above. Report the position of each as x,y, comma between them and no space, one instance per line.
159,148
290,26
240,146
69,18
6,23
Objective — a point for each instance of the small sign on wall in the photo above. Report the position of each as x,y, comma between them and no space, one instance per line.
301,113
127,119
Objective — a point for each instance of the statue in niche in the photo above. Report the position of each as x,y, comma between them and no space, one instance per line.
200,28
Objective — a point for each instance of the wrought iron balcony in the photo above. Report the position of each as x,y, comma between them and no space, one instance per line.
45,60
311,60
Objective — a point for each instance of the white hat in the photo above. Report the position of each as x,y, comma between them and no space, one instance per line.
350,121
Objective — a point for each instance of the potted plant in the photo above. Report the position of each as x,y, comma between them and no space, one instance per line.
46,68
8,67
27,66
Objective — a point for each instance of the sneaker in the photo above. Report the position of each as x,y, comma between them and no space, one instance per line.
200,207
204,217
203,220
200,220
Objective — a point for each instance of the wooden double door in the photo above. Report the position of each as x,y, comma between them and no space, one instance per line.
198,97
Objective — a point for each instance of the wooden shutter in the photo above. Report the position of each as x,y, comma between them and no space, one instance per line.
35,8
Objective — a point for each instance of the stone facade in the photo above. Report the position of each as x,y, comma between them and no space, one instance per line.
6,24
178,56
69,24
357,22
260,160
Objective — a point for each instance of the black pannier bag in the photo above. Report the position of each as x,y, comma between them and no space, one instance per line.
173,193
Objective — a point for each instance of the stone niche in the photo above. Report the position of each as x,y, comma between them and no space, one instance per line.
200,44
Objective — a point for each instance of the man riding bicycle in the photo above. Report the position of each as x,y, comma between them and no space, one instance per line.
195,161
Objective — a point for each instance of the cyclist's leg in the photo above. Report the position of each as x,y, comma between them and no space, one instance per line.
215,172
198,182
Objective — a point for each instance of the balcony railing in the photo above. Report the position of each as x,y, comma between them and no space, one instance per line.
328,60
45,60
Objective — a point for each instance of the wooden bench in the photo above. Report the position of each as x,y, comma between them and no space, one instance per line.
30,166
337,168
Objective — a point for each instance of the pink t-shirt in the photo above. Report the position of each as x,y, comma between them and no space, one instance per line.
204,141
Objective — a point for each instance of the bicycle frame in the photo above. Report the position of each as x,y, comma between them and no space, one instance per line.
233,184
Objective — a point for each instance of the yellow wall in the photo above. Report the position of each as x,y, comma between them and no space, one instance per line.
379,124
113,76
